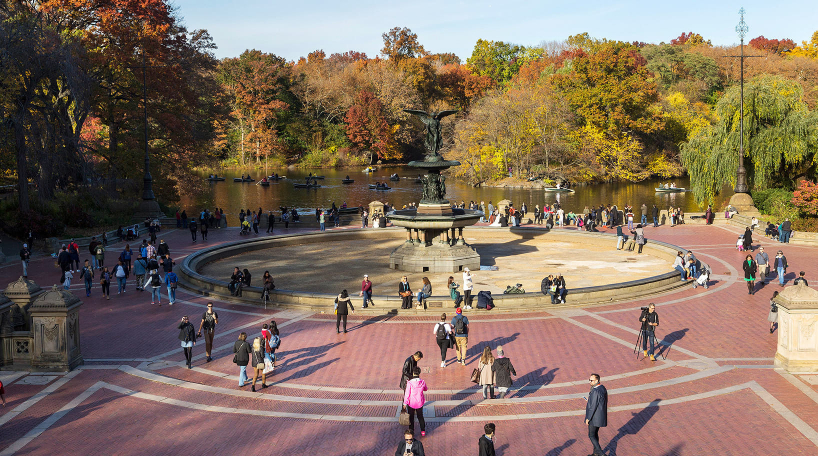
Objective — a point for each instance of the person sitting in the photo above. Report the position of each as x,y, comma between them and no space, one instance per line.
235,282
264,179
771,231
245,227
295,217
673,185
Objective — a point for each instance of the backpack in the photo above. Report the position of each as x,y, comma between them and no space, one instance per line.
484,299
441,331
173,279
275,341
460,325
155,282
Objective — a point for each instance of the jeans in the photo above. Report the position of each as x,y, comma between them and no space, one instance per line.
171,294
120,281
693,271
155,293
25,268
488,389
780,275
655,222
648,335
681,271
367,298
785,236
593,434
619,241
87,288
94,263
322,226
422,296
243,375
644,220
630,224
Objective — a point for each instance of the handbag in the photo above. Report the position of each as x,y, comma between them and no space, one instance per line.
268,366
475,375
404,417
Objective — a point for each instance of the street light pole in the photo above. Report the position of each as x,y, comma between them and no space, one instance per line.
741,173
147,189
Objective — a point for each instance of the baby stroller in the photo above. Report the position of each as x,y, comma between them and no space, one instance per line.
245,228
703,278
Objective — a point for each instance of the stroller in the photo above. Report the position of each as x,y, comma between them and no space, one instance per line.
245,228
703,278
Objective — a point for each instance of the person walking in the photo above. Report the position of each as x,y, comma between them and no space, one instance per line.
242,357
100,256
650,320
780,264
485,445
87,275
210,318
92,249
461,335
801,279
405,292
2,393
192,226
258,364
120,274
786,231
748,239
154,280
409,368
25,257
763,263
321,220
126,255
468,286
409,446
413,400
172,281
596,412
503,370
188,337
486,373
105,282
140,268
750,270
772,317
443,336
343,305
271,221
203,229
655,216
366,291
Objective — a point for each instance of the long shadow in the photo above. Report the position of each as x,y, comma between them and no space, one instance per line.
633,426
535,378
303,373
370,321
501,450
473,352
675,451
558,450
667,342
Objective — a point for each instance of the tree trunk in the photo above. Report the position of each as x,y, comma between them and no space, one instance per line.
22,164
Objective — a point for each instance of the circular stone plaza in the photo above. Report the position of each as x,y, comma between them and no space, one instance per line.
713,388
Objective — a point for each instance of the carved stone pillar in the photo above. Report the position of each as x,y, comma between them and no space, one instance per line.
56,331
15,324
797,349
22,292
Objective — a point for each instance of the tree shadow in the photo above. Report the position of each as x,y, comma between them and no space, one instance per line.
667,342
558,450
633,426
474,352
535,379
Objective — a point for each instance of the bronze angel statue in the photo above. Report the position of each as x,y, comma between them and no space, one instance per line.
432,122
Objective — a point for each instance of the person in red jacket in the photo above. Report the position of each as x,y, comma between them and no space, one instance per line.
366,291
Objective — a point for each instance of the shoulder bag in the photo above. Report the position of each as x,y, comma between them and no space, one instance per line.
404,417
475,375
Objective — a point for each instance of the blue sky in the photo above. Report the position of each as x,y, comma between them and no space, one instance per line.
294,29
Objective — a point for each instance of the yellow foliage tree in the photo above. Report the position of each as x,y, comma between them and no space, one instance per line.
807,49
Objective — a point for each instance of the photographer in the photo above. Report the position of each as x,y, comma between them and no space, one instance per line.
650,320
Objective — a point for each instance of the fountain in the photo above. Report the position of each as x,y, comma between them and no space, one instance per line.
434,229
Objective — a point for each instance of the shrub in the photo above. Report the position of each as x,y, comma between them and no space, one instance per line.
805,224
775,202
805,198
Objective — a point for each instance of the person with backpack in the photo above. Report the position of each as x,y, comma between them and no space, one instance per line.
172,281
203,228
87,275
105,282
193,228
342,301
154,281
140,268
413,400
100,256
92,249
274,341
74,251
503,369
242,357
188,337
461,335
126,256
119,273
443,335
209,321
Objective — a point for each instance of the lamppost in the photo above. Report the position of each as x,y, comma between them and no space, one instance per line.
148,207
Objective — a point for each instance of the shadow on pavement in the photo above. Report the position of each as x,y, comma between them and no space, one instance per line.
633,426
558,450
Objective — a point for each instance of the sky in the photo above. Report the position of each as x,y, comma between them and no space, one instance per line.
295,28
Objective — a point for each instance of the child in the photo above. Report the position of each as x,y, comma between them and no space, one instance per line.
2,394
68,276
703,278
740,243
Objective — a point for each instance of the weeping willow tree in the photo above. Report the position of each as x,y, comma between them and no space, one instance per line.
780,139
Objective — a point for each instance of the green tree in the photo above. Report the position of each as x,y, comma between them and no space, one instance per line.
780,139
500,61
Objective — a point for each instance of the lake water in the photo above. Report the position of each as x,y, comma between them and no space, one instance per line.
232,196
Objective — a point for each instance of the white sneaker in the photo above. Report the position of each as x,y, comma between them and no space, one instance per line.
468,307
443,364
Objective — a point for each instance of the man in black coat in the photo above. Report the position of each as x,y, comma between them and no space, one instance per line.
596,412
410,446
409,368
486,442
655,216
64,261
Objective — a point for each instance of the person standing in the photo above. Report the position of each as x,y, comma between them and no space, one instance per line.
655,216
172,281
503,370
644,219
242,357
321,220
342,308
409,446
258,364
74,251
119,273
92,249
413,400
105,282
366,291
140,268
208,327
192,226
443,336
461,335
100,255
468,286
25,257
405,292
750,270
271,221
126,256
780,265
772,317
409,368
203,229
486,373
188,337
650,320
87,275
154,280
486,443
596,412
786,231
748,239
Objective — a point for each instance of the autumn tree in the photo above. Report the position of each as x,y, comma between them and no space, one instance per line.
498,60
459,87
805,198
368,130
401,43
690,39
772,45
807,49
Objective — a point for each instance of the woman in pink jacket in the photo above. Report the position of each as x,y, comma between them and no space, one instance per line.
413,400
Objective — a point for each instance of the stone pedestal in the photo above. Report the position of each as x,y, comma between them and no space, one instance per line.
743,203
15,324
147,209
55,331
797,349
502,206
375,207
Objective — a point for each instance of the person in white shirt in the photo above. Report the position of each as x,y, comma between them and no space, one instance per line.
468,285
443,335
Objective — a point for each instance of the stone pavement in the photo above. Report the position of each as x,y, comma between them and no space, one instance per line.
331,394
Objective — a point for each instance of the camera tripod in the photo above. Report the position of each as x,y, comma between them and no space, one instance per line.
637,348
